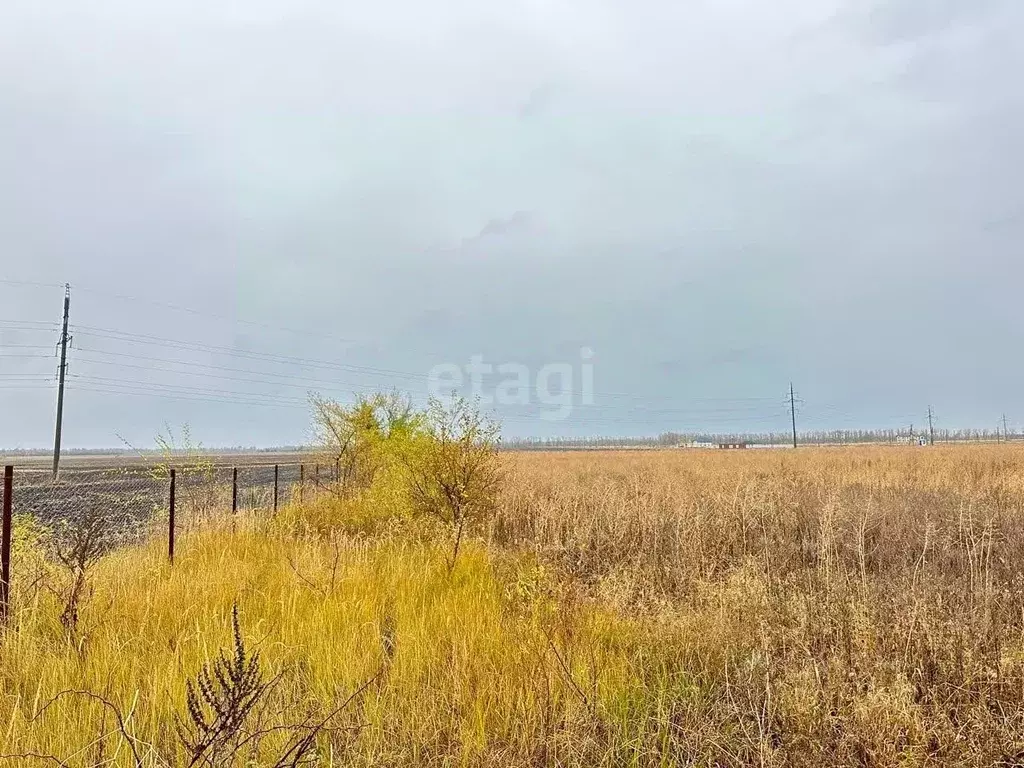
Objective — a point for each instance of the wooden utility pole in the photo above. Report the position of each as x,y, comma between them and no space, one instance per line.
61,373
792,410
931,427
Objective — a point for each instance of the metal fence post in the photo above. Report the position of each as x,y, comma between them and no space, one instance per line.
5,544
234,489
316,476
170,521
302,480
275,489
337,470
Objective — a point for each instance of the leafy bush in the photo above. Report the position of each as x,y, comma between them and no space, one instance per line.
443,460
454,475
366,437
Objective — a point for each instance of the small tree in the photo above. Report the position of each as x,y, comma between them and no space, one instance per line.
78,544
364,437
454,473
197,489
196,471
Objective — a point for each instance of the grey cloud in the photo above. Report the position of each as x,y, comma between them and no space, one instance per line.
894,21
541,100
816,190
518,223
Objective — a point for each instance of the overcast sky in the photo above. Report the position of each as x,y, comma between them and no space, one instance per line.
714,197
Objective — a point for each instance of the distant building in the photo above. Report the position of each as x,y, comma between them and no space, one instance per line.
730,446
911,440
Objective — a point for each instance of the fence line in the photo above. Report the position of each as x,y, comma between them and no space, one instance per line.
130,503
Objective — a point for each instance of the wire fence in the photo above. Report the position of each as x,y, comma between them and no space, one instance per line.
87,510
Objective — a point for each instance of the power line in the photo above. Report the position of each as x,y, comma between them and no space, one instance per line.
706,414
131,338
159,387
207,366
186,398
29,284
32,325
248,354
711,414
189,397
196,394
306,332
216,316
749,410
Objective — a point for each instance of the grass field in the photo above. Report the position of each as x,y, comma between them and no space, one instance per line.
819,607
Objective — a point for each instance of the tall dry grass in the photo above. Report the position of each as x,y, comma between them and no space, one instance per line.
825,607
859,607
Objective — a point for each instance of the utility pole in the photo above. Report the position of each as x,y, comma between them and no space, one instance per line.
61,372
931,427
792,410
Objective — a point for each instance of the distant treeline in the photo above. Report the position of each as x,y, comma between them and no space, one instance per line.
144,451
823,437
664,440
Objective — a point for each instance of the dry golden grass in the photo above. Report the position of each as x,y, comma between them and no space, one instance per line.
825,607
